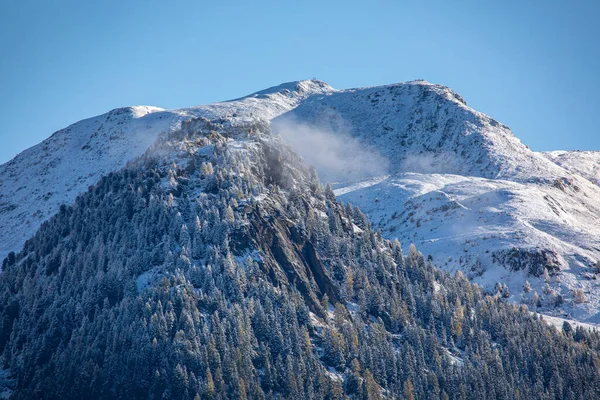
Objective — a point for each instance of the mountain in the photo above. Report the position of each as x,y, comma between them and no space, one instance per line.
422,165
428,169
36,182
216,265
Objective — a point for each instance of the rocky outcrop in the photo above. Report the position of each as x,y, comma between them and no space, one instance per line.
533,261
288,258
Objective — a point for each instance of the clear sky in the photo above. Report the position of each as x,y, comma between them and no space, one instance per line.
532,64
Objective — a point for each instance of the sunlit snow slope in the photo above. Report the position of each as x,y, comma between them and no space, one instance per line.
584,163
465,190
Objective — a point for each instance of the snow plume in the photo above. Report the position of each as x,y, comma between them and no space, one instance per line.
429,163
329,147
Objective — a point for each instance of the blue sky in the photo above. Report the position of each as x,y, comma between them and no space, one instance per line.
532,64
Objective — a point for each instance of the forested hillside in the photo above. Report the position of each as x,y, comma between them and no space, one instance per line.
217,266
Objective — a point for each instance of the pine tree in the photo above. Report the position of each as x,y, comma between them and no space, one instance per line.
210,385
371,387
408,390
206,169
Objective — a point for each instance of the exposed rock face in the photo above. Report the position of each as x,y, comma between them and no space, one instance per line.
532,261
291,258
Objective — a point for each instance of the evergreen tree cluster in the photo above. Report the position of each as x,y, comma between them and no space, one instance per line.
217,266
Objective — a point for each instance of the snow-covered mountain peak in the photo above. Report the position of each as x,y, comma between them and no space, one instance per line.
425,128
438,89
463,188
138,111
432,171
219,250
297,89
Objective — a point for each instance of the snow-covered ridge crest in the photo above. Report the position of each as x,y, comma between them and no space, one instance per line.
426,128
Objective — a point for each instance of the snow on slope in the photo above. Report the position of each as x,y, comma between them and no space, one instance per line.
36,182
558,322
493,230
465,190
584,163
